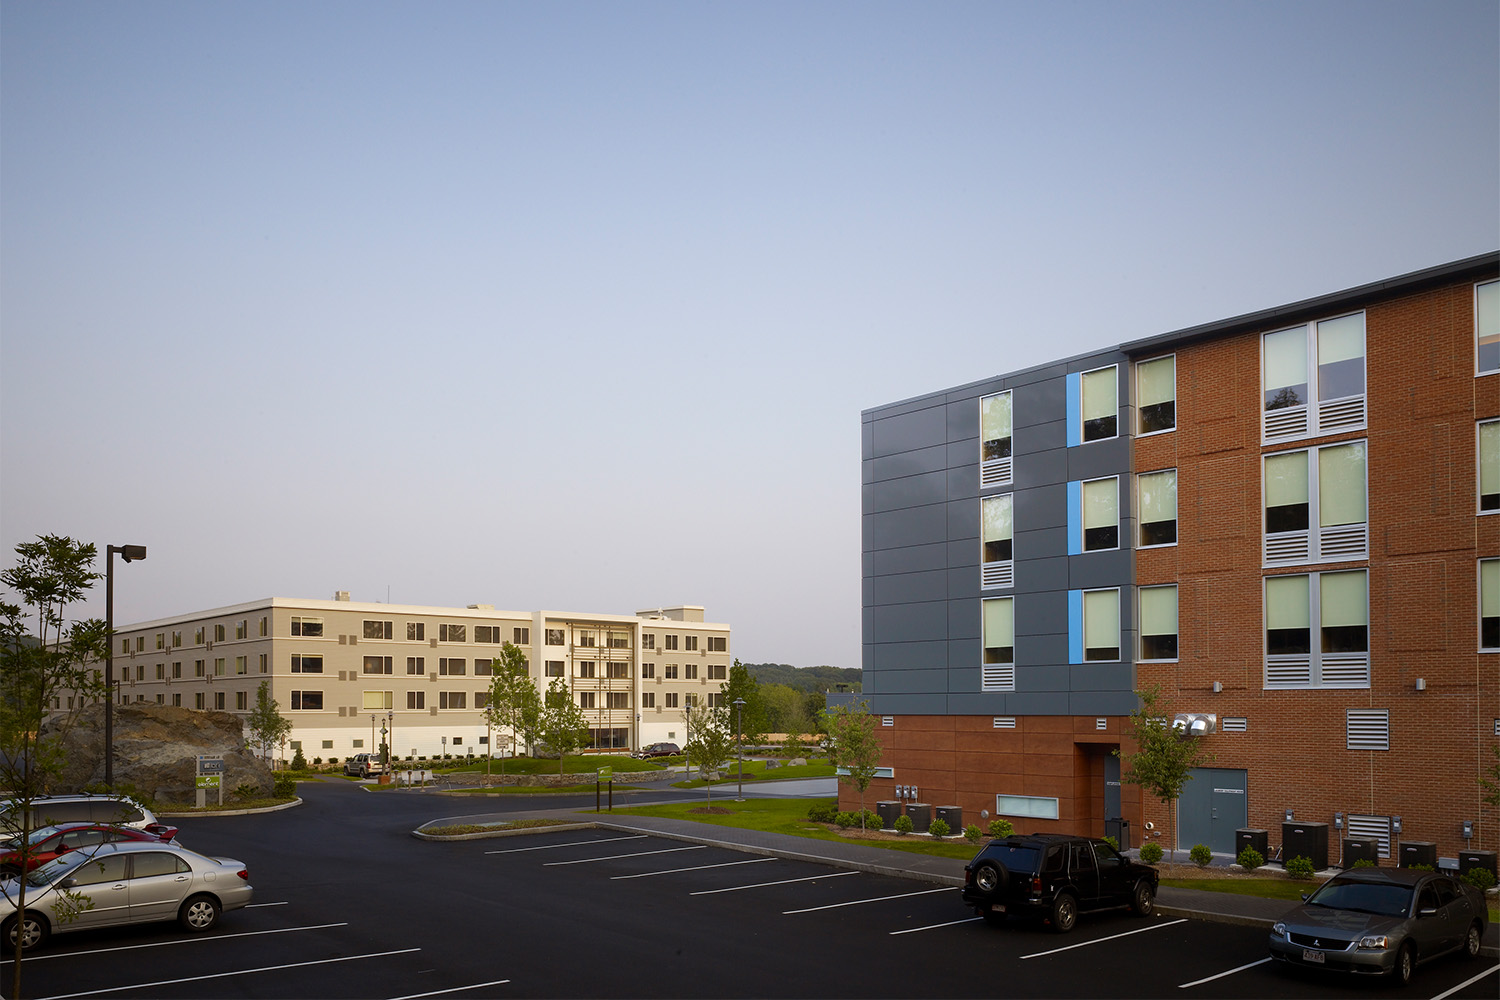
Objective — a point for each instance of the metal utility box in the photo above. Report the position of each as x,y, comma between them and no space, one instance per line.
1361,849
1258,839
1469,860
953,816
888,811
1418,852
921,816
1305,840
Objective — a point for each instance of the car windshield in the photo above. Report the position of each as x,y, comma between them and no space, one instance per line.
1366,897
1013,857
54,869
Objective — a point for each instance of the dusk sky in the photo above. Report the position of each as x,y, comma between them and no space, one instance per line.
575,306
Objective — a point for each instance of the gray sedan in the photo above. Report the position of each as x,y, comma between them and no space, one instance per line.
1381,921
122,883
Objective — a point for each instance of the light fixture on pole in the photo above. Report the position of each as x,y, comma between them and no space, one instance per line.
129,553
739,745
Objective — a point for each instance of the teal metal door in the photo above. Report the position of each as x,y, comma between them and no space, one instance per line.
1213,805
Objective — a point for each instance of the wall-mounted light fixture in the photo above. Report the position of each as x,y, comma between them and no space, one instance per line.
1218,686
1421,684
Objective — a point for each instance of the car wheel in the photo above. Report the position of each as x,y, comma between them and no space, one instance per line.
1064,912
33,933
989,877
1406,963
1473,939
199,913
1143,899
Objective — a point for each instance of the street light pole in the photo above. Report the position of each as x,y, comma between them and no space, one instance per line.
739,745
128,553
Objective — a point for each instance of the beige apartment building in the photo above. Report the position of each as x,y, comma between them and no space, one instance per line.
342,671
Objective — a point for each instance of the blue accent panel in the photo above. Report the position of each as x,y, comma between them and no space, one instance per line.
1075,409
1075,518
1075,626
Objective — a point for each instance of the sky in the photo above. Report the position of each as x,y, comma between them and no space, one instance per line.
575,305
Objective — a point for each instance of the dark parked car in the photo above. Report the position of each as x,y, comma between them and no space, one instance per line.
1381,921
1054,876
51,841
657,750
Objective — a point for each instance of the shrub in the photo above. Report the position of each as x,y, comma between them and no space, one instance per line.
299,762
1201,855
317,762
1479,878
1001,828
1420,867
972,833
903,824
938,828
1363,863
286,786
823,812
1300,868
845,819
246,791
871,817
1250,859
1112,842
333,761
1151,853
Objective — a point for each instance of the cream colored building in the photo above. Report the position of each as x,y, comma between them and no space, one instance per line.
342,670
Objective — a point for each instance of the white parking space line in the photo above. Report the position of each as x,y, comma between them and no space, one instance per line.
1112,937
224,975
617,857
877,899
762,885
933,927
571,843
699,868
1221,975
456,989
1468,982
251,906
44,956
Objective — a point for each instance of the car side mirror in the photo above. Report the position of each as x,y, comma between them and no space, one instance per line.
1429,912
68,883
63,848
1304,896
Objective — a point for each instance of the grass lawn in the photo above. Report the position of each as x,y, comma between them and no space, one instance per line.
755,770
571,764
1266,888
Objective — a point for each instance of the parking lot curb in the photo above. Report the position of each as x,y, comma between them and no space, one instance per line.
230,812
500,831
1218,918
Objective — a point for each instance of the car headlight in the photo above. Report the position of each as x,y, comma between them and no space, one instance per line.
1374,942
1279,929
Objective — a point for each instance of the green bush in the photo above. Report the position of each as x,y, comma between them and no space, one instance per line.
845,819
1300,869
1363,863
299,762
1420,867
823,812
872,819
286,786
1250,859
972,833
333,761
1112,842
1151,853
246,791
1479,878
1001,828
938,828
903,824
1201,855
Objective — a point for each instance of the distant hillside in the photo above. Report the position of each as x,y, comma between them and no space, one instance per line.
805,678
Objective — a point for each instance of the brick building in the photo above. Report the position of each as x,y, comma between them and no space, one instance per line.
1286,520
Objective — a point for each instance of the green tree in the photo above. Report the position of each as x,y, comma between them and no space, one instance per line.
36,668
513,698
1163,759
267,725
561,725
751,717
854,747
713,745
785,708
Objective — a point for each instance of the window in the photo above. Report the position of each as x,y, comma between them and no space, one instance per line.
241,666
161,640
690,642
241,631
379,629
671,641
1029,806
996,529
453,633
648,670
265,626
1158,623
585,637
218,636
671,699
648,640
1313,378
994,440
555,637
416,632
198,668
1158,507
265,662
378,664
378,700
481,700
716,699
521,636
1332,606
302,664
648,699
176,701
198,700
718,644
488,634
618,669
177,670
306,627
690,700
690,671
1489,466
328,744
198,637
453,699
553,668
416,699
1101,625
140,671
161,699
218,666
619,640
585,668
177,639
1489,604
1101,514
617,699
1100,404
1156,394
304,701
1487,327
452,666
1325,487
585,699
1367,729
999,625
717,671
416,665
161,671
670,671
484,667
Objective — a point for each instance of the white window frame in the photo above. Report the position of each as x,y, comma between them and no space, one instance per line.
1315,543
1479,466
1317,415
1478,372
1084,624
1479,607
1164,430
1140,631
1348,670
1002,572
1140,511
997,471
1083,548
997,676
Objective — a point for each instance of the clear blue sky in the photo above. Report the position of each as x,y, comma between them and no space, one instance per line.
576,305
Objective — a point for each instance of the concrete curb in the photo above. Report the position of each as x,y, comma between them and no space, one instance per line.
1218,918
498,832
231,812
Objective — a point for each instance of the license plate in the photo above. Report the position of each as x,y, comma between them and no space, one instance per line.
1308,955
997,908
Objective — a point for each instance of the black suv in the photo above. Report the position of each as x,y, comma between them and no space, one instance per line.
1054,876
657,750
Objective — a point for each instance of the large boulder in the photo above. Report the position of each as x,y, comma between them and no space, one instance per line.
156,751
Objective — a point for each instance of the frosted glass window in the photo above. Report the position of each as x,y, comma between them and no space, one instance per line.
1288,615
1341,485
1156,394
1030,806
1158,507
1489,465
1286,492
999,631
1100,404
1341,357
1487,326
997,525
995,426
1101,625
1158,623
1344,612
1101,514
1286,368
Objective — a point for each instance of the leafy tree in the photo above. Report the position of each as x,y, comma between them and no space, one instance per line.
785,708
751,717
560,724
713,744
1163,760
853,746
513,698
35,669
267,725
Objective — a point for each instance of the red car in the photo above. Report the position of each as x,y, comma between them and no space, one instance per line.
49,842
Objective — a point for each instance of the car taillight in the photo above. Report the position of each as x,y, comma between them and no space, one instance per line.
1036,885
244,873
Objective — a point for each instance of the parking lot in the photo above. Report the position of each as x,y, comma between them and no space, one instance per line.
348,904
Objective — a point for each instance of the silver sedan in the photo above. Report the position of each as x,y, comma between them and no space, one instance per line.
122,883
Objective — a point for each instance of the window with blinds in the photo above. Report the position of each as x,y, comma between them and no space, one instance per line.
1335,607
1101,404
1487,327
1313,379
1156,395
1158,623
1489,604
999,671
1101,624
1488,449
997,568
1158,507
1316,505
1101,514
995,419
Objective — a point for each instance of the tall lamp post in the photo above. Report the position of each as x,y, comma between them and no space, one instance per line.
129,553
739,745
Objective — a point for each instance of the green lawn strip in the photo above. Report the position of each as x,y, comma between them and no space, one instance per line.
755,770
515,824
572,764
1266,888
